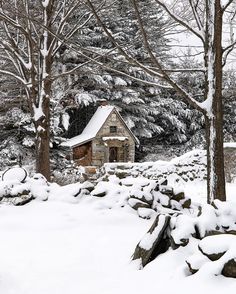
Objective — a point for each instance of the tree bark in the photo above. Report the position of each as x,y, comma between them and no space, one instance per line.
214,116
215,158
43,140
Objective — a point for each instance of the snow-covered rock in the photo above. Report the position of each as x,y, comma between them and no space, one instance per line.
216,255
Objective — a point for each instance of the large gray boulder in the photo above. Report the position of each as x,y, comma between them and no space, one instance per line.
154,242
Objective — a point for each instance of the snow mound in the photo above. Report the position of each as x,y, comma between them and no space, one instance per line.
14,190
17,174
216,256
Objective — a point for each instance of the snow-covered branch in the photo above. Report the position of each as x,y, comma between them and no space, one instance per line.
199,33
128,57
227,4
194,7
15,76
11,21
189,99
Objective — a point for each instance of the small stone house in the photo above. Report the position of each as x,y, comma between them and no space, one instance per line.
106,138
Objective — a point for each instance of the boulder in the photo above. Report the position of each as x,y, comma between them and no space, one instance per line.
145,213
19,199
178,196
88,186
186,203
136,204
229,269
216,253
166,190
212,256
99,194
142,197
154,242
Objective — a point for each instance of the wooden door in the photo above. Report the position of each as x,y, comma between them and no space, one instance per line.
113,154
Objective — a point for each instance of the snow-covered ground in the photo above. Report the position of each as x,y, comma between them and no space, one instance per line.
59,247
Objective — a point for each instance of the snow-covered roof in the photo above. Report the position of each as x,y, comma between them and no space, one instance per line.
92,128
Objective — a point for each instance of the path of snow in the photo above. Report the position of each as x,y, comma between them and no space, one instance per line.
64,248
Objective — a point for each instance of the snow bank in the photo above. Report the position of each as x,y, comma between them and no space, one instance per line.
17,189
56,247
216,256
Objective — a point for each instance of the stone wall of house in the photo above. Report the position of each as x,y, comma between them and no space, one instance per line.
126,148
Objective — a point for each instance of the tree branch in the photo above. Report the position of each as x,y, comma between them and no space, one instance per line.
164,73
14,76
114,42
227,5
181,21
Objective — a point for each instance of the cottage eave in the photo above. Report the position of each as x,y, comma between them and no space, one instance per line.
77,141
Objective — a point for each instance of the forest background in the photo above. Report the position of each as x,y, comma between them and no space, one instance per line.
156,115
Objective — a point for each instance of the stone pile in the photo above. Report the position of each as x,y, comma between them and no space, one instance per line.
189,167
217,253
158,196
178,227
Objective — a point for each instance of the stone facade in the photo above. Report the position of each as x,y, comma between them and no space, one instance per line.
113,143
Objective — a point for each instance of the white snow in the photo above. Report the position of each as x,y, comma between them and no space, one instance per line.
38,113
148,240
61,247
114,138
16,174
94,125
230,145
65,120
78,243
218,244
45,3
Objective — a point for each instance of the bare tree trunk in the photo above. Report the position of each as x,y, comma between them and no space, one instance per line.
215,158
214,117
43,140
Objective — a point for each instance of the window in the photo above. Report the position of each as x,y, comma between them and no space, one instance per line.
113,129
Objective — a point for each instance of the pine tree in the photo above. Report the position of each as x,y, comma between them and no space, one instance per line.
92,83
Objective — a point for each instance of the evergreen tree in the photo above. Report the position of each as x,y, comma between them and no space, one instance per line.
92,83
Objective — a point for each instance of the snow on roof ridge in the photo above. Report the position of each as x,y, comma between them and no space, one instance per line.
93,126
98,119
